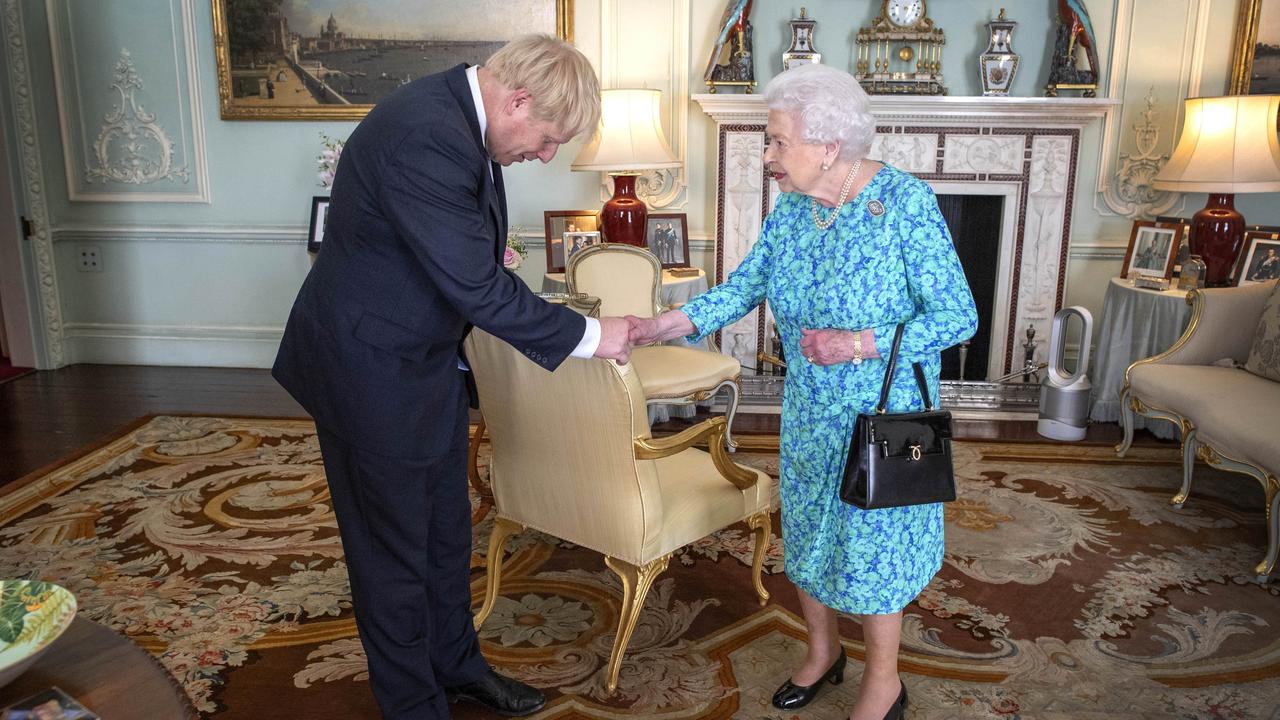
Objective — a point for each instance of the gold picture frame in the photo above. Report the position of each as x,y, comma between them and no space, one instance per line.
1242,64
249,91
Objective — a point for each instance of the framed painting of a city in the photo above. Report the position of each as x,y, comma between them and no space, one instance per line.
1255,69
335,59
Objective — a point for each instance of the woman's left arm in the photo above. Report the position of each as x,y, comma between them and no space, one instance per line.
945,312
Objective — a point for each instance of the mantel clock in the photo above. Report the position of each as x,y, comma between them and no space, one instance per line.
901,52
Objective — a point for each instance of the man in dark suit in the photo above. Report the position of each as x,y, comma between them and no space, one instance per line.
412,259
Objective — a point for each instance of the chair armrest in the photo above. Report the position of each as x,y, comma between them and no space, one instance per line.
1223,323
712,430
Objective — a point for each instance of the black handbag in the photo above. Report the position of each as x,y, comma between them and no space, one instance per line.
898,459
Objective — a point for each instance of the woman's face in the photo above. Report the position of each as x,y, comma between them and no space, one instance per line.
795,164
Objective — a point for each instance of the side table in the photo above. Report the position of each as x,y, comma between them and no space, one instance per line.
1136,323
675,290
107,673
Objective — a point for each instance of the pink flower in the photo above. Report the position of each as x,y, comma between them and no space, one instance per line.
511,259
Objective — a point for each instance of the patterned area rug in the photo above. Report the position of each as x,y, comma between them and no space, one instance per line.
1071,589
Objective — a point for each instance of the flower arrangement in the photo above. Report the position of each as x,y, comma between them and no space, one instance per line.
327,160
516,252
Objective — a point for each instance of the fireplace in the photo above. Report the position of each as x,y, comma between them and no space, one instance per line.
1004,170
974,222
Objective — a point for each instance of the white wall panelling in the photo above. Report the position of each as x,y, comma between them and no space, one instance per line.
50,351
237,235
191,345
647,45
149,145
1157,60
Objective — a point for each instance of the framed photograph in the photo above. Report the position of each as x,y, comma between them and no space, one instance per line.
1153,249
1260,261
334,60
558,222
51,704
1184,246
577,241
319,221
667,235
1255,68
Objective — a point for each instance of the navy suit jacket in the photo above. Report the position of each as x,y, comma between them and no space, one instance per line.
411,259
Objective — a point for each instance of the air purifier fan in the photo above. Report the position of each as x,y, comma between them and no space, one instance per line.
1064,398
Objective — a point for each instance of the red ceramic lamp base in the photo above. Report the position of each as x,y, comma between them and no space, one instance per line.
623,216
1217,233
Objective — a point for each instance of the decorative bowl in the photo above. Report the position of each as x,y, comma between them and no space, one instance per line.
32,615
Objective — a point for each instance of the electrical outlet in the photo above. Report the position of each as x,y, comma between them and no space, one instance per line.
90,258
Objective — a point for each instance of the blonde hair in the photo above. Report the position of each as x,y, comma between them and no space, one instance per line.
563,85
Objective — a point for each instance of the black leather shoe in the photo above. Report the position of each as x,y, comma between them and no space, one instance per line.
899,709
793,697
500,694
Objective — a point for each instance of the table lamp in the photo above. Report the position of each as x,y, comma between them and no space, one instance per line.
1228,145
629,142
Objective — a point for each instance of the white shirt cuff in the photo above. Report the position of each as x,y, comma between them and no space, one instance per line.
590,340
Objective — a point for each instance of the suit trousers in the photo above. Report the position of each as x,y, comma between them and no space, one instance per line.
406,535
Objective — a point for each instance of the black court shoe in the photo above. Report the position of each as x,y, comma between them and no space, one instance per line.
899,709
793,697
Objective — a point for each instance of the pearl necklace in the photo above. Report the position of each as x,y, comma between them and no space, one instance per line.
825,223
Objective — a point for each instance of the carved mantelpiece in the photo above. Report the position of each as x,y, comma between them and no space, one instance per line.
1024,149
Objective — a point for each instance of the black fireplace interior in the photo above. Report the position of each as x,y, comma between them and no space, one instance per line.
974,221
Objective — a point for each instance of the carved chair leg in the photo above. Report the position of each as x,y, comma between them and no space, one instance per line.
502,529
636,582
473,455
1126,422
759,523
1268,564
1188,467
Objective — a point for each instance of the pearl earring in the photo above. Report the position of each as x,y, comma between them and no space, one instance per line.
826,166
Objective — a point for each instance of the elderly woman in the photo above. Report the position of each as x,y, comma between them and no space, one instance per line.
852,249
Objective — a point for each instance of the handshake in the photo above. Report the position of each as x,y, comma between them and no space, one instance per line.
619,334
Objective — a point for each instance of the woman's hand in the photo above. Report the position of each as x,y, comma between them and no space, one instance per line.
667,325
832,347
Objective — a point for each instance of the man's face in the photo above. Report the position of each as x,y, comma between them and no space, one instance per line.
516,136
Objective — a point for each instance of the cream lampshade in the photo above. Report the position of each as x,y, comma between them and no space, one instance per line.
630,141
1228,145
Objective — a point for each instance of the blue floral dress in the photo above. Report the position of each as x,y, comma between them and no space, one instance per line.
867,270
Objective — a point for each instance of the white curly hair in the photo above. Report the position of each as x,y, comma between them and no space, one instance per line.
829,104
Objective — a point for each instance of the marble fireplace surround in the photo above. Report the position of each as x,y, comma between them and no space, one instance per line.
1025,150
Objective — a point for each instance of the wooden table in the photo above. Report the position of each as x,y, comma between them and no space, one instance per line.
107,673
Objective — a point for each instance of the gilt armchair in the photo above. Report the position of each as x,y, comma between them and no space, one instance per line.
1227,416
627,280
573,458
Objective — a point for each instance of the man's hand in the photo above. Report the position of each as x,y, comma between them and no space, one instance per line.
614,339
644,331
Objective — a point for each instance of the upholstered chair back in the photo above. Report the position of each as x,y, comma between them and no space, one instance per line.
626,278
562,442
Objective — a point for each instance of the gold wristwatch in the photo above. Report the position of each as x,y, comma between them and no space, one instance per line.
857,347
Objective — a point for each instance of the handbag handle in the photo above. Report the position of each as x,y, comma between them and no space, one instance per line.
888,376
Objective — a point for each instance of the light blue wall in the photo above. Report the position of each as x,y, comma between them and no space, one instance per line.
211,282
